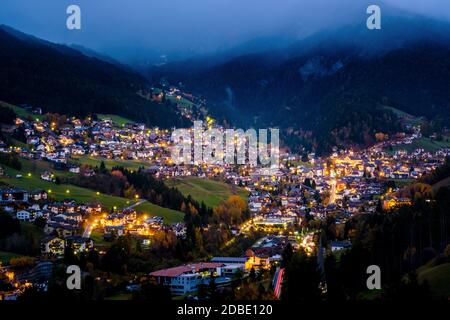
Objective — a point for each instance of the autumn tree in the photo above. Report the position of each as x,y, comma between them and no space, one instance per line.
231,212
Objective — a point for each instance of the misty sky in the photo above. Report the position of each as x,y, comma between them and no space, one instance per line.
198,26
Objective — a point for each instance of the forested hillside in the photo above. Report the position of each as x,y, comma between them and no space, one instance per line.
332,87
63,80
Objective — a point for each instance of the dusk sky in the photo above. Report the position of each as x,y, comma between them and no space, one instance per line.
197,26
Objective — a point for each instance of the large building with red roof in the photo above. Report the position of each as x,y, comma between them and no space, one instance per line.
186,279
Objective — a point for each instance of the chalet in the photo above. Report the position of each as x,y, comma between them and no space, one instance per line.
88,173
47,176
340,245
77,150
79,244
67,206
154,220
138,229
74,169
117,219
38,195
394,202
23,215
53,246
115,230
61,229
32,140
4,147
399,175
73,216
257,262
139,126
13,196
179,229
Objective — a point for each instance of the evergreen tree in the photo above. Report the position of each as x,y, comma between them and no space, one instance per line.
302,279
287,255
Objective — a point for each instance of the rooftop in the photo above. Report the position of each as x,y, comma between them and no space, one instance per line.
189,268
229,259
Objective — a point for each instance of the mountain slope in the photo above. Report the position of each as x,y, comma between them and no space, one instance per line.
335,84
60,79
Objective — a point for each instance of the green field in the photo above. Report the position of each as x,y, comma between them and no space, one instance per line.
425,143
182,102
169,215
17,143
83,195
64,191
31,180
301,163
20,112
405,117
438,277
401,182
97,237
36,167
6,256
117,120
109,163
211,192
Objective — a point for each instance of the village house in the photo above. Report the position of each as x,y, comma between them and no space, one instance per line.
37,195
72,216
79,244
63,230
74,169
52,246
23,215
13,195
340,245
47,176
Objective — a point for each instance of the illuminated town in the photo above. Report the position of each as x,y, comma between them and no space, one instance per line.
281,206
224,158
